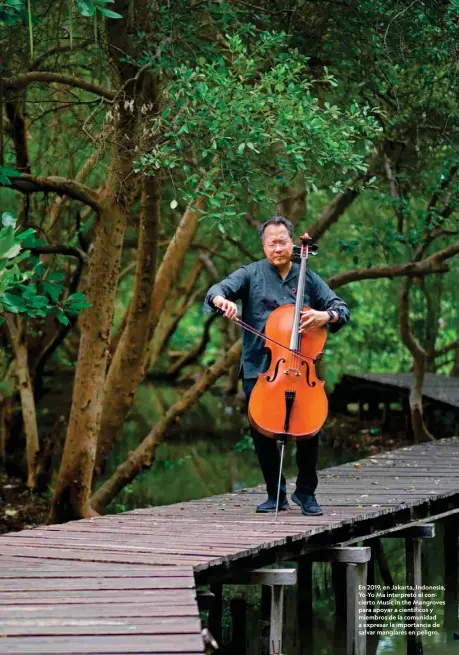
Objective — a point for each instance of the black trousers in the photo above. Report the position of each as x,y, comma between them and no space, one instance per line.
269,457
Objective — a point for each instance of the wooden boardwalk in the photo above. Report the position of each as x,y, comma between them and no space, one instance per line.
438,388
126,583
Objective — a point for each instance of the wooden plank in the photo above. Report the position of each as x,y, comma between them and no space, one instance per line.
115,610
155,596
51,627
93,584
46,571
106,644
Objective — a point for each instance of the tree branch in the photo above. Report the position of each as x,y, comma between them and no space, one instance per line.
432,264
55,184
21,81
60,250
59,49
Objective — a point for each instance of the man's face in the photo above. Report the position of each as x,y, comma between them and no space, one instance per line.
277,245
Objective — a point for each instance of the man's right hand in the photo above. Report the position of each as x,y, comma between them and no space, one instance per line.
228,308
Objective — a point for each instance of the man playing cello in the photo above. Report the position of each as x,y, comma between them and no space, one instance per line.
262,287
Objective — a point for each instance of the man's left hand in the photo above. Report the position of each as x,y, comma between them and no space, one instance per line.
313,318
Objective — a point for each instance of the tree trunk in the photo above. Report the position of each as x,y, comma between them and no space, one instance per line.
18,334
124,378
143,456
172,313
433,301
126,369
71,496
455,370
73,486
421,433
292,201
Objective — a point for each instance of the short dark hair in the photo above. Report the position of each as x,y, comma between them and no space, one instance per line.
276,220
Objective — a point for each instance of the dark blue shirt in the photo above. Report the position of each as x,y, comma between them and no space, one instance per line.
261,289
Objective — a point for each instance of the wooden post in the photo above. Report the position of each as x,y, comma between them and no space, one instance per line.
339,628
277,612
238,612
413,544
451,567
273,582
266,593
304,606
355,558
413,578
356,575
216,612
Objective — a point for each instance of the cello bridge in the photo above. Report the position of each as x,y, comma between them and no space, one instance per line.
292,371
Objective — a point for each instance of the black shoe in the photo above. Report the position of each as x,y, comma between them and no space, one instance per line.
308,503
270,505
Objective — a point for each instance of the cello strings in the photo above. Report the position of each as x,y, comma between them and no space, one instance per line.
251,329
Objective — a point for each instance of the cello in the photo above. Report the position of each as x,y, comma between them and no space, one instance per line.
289,400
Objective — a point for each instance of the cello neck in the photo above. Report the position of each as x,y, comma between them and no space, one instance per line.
296,336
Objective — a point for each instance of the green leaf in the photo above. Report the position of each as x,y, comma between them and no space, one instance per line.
14,303
62,318
6,173
23,235
85,7
109,13
56,277
39,301
53,290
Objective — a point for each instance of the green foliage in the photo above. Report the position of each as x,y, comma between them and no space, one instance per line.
251,120
88,8
6,174
11,12
26,288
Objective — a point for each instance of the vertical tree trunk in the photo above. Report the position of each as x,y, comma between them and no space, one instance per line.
173,312
421,433
18,334
125,377
71,497
126,369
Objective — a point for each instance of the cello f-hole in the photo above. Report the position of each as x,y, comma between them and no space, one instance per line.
276,370
308,381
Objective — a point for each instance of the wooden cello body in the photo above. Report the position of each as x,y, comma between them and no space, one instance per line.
289,400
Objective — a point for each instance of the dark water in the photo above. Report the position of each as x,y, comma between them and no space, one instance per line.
210,453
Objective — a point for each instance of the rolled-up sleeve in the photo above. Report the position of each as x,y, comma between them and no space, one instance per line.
324,298
234,287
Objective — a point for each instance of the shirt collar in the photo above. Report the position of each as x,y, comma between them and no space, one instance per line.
292,272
